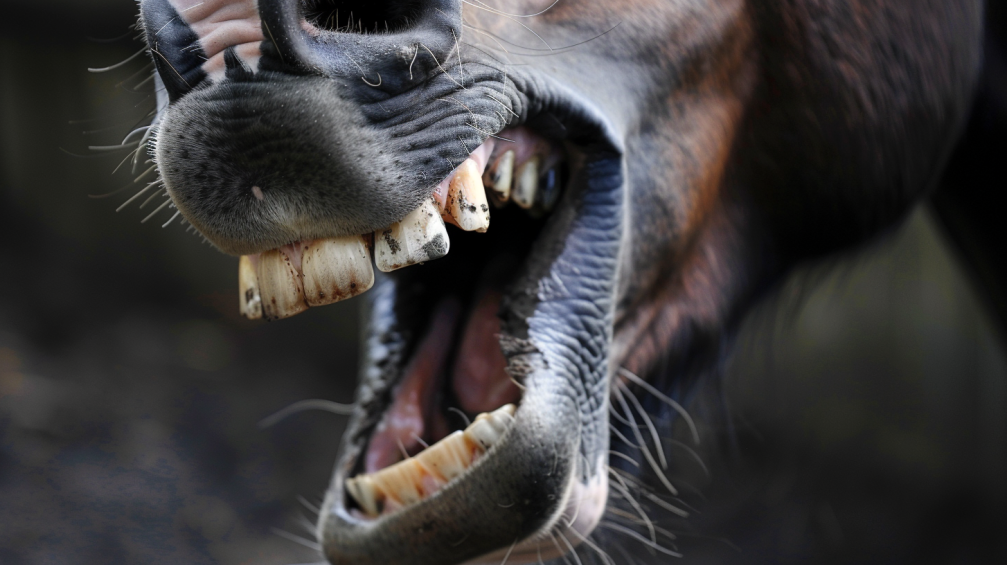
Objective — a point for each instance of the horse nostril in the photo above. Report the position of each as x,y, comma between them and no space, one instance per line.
362,16
377,41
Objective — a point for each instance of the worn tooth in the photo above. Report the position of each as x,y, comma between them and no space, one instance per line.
335,269
549,189
280,286
401,482
448,458
467,198
487,429
364,492
526,183
419,237
248,289
409,481
499,177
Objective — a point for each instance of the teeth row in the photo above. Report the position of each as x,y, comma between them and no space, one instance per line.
413,479
525,184
273,286
283,282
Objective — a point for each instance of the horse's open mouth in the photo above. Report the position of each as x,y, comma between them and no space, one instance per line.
481,420
480,426
460,419
468,440
465,442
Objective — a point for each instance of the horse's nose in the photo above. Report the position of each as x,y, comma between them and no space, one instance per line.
386,44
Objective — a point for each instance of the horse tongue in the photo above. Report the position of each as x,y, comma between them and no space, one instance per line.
479,378
415,404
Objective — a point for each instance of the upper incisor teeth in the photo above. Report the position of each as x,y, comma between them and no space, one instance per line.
499,177
403,483
419,237
335,269
526,184
280,286
467,198
248,289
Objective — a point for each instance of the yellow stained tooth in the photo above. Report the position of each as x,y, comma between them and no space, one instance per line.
449,457
526,184
419,237
489,427
364,492
279,286
499,177
401,482
467,198
409,481
335,269
250,302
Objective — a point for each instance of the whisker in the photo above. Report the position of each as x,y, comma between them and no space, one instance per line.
539,13
643,445
537,52
620,436
499,13
507,555
665,505
658,446
571,549
663,398
138,194
442,68
132,155
624,456
637,536
465,417
172,219
156,210
119,64
308,505
297,539
113,193
134,132
108,148
172,67
303,406
605,556
151,198
621,484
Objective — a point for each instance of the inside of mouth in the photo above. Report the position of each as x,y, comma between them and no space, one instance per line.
453,398
455,377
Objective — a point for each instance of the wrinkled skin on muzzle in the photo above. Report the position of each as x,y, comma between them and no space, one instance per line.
711,146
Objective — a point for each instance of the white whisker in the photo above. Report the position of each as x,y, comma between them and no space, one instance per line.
297,539
663,398
304,405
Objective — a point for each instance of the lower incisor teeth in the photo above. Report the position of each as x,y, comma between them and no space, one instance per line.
335,269
410,480
248,289
419,237
526,184
467,198
280,286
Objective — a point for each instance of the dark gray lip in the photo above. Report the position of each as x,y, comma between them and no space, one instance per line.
557,328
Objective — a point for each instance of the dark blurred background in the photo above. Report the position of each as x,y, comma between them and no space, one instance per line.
868,400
